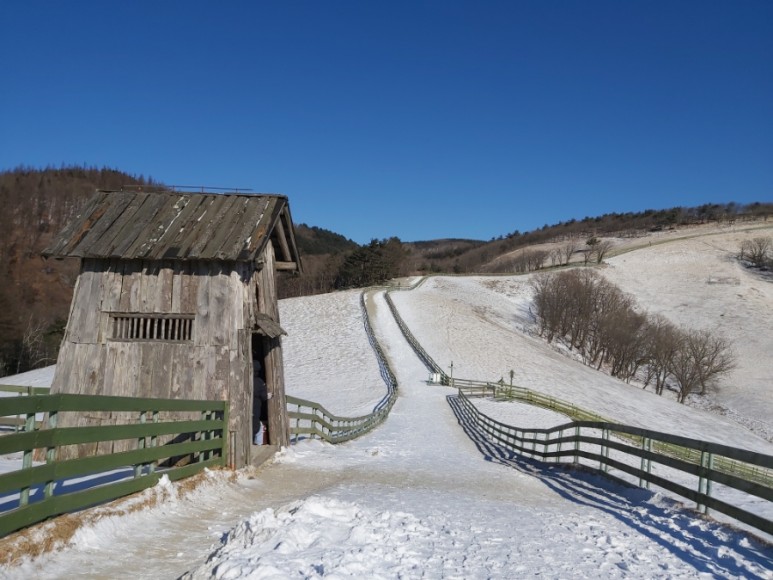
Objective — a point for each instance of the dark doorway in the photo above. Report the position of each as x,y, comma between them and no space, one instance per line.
260,434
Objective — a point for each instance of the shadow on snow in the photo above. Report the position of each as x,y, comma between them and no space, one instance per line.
701,543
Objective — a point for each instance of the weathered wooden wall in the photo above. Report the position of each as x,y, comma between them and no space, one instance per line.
216,364
265,285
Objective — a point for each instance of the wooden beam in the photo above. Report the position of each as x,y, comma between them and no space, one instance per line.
282,239
286,265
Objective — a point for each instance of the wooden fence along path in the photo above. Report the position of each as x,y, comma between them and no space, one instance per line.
594,440
589,437
744,471
310,419
173,438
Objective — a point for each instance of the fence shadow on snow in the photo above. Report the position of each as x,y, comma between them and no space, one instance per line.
667,522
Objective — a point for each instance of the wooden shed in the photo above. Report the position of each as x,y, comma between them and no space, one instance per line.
176,298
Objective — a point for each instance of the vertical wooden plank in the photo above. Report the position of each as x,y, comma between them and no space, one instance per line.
240,371
85,376
164,288
200,372
279,431
109,388
86,304
111,294
130,289
161,380
184,365
89,369
177,287
190,288
64,367
278,426
149,287
111,298
202,328
149,357
220,308
236,307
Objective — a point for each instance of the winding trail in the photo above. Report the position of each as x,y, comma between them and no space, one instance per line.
474,512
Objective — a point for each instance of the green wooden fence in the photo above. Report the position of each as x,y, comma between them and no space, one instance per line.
499,390
740,469
428,361
610,444
18,422
176,438
311,420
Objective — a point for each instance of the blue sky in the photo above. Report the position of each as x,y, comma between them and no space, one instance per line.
414,119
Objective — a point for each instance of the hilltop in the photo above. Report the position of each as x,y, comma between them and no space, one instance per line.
35,302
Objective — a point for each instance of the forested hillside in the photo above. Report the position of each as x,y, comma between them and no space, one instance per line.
35,298
37,203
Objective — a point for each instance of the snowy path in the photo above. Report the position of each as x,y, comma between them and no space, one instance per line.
420,496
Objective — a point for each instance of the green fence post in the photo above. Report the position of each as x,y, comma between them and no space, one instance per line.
140,445
50,455
297,423
201,436
26,462
710,466
704,482
206,435
646,463
577,445
603,465
154,443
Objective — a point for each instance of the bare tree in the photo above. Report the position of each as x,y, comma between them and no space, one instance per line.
625,339
591,242
700,360
714,356
592,315
547,305
536,259
756,251
33,347
601,249
662,340
568,250
555,256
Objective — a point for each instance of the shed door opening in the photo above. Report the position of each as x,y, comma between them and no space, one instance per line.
260,434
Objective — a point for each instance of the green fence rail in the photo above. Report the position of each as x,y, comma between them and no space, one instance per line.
610,444
311,420
499,390
176,438
24,390
18,422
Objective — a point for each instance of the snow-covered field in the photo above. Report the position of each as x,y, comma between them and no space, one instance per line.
425,494
698,283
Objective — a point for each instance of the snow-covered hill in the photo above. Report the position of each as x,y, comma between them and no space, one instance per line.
425,494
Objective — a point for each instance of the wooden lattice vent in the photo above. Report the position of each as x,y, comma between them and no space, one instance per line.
152,327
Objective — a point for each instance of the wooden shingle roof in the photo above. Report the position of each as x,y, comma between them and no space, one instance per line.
180,226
